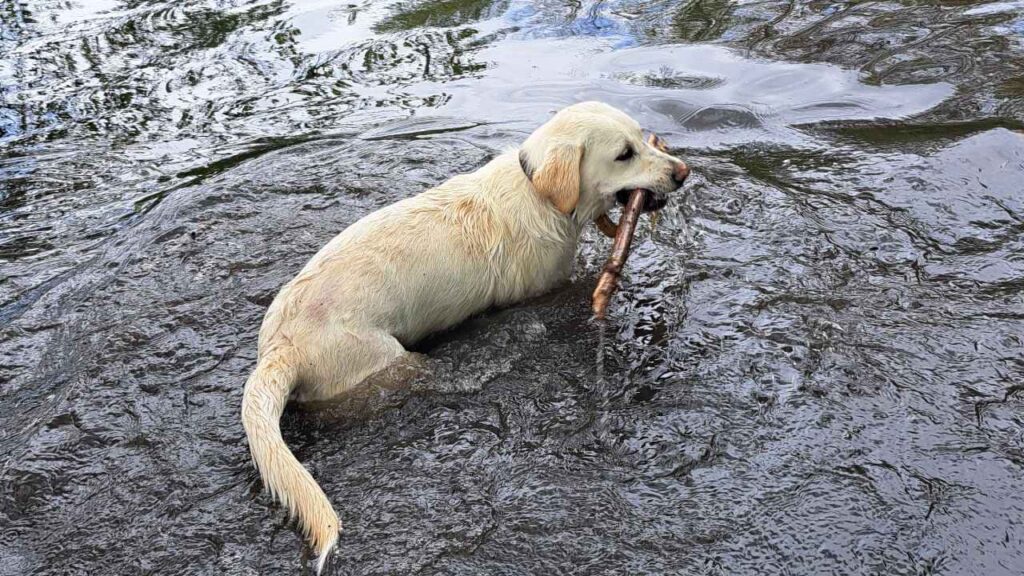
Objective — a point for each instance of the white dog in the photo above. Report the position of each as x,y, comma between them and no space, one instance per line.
491,238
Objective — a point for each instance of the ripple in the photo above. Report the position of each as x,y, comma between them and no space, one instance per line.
722,117
668,78
528,79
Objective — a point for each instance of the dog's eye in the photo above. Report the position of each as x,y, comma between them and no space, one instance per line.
625,155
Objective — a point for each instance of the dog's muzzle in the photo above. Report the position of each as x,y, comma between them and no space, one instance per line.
656,200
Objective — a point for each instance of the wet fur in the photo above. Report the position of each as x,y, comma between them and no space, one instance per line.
491,238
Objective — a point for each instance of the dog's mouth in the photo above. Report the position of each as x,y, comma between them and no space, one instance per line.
652,200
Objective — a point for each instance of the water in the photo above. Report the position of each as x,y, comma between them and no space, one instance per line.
814,365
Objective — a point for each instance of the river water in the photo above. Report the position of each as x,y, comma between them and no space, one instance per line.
814,366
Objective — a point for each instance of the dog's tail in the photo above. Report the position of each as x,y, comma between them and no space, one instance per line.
266,393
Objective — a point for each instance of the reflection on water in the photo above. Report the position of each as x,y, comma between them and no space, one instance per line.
674,90
814,365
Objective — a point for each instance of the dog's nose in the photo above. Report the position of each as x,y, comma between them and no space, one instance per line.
679,172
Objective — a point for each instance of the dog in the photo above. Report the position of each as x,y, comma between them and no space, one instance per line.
491,238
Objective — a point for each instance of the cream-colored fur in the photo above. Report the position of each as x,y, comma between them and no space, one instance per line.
494,237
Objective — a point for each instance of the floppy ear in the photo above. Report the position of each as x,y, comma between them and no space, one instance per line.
558,177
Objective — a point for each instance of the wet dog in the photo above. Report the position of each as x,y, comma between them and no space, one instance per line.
490,238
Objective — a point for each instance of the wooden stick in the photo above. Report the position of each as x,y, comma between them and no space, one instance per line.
609,279
606,226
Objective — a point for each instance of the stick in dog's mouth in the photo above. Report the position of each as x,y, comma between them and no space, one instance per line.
652,201
634,202
609,279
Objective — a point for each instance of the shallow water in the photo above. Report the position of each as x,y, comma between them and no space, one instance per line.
814,365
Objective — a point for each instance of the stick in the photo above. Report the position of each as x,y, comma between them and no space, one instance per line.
606,226
608,281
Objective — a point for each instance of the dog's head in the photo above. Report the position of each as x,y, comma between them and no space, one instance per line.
591,155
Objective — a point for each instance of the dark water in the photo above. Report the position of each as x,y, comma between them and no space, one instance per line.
815,366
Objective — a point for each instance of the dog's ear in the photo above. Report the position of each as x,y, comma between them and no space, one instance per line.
558,177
